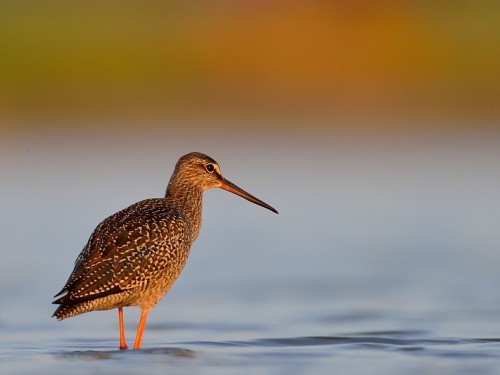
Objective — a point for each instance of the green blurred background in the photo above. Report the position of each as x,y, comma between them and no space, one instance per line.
301,65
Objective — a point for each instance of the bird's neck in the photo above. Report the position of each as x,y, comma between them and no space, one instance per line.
187,200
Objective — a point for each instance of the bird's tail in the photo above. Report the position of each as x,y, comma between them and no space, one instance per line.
68,310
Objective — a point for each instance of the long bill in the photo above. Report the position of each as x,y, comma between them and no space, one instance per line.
229,186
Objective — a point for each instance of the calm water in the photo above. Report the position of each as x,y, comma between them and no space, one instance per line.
384,258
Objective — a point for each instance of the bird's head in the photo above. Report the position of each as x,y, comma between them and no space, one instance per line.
201,171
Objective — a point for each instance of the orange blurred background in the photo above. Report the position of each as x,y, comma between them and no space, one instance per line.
384,64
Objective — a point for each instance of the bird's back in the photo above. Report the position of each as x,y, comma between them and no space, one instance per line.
131,258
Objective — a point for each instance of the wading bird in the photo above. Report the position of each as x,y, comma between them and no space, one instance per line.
134,256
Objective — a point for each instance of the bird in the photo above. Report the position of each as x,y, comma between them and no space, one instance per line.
134,256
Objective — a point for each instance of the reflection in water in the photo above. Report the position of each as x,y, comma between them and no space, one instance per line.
109,354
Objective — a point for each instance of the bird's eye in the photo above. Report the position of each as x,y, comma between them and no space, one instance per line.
210,168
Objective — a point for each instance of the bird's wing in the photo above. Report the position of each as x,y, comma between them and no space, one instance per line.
125,252
93,250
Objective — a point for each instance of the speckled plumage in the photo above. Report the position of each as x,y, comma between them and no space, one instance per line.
134,256
145,243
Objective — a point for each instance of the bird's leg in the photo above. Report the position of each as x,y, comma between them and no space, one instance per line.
140,330
123,343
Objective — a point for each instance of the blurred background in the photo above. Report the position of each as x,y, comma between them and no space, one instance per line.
315,62
372,126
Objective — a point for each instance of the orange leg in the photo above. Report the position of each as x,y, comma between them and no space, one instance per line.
140,331
123,343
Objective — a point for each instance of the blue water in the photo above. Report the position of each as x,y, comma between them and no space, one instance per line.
384,257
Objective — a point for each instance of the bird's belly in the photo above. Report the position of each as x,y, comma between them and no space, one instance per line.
145,296
148,295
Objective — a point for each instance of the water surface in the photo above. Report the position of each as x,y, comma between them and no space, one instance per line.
384,258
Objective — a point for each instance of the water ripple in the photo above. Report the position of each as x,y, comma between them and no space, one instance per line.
410,347
447,347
